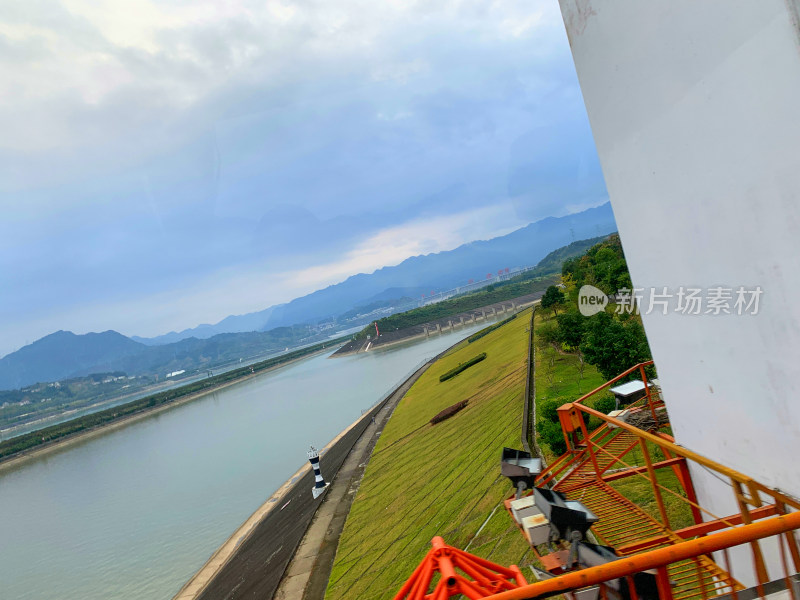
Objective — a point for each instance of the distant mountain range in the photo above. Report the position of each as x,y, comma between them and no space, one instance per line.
416,275
63,354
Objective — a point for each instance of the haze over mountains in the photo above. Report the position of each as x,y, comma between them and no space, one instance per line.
63,354
417,275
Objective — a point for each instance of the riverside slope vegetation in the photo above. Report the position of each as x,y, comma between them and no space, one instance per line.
443,479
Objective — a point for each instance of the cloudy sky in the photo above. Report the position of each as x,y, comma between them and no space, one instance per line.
168,163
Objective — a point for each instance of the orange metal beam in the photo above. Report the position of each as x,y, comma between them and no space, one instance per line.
636,470
790,541
648,394
711,526
611,382
651,474
655,558
758,556
701,528
683,475
681,451
589,444
618,456
552,472
662,440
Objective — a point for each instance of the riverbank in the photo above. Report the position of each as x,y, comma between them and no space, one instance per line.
252,562
427,479
287,547
16,459
307,574
484,314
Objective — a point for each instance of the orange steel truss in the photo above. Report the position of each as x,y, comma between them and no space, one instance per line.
683,559
484,578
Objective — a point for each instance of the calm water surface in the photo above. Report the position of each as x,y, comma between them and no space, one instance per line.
134,513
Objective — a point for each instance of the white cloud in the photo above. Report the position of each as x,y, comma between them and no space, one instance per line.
355,111
399,73
181,52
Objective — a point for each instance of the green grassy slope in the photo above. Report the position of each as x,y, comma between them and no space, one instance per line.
444,479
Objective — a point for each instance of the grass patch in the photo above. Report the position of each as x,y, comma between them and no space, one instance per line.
561,376
462,367
444,480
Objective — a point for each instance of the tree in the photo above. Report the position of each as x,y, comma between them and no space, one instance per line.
570,286
548,334
570,328
612,346
581,368
553,297
603,265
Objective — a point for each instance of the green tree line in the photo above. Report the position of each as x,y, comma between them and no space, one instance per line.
610,340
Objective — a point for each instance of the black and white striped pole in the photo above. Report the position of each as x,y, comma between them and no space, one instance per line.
319,483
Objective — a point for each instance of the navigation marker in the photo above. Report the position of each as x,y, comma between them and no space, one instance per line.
319,486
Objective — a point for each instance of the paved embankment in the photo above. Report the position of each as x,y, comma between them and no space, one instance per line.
439,479
478,315
253,561
307,575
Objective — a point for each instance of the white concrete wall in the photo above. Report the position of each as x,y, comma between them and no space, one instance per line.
695,109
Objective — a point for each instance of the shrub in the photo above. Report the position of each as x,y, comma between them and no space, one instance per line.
548,333
550,433
548,410
462,367
605,405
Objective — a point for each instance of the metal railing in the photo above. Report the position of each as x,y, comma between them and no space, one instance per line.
682,562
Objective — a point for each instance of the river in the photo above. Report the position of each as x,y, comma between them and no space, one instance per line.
132,514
